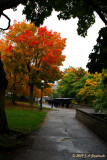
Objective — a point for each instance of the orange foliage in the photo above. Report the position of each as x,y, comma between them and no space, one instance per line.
31,52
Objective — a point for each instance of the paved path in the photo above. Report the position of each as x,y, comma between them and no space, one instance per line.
63,137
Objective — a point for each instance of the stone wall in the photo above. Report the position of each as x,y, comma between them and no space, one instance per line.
77,106
98,125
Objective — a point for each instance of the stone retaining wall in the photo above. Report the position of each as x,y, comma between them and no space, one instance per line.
98,125
78,106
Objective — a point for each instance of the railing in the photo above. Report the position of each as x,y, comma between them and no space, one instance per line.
63,102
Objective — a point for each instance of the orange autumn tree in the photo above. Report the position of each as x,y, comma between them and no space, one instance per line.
14,72
36,91
38,50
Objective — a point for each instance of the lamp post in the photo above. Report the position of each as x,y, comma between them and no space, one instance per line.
42,86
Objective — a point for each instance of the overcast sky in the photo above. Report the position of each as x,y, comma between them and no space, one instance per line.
77,48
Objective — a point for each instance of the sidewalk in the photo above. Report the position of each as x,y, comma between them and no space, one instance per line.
63,137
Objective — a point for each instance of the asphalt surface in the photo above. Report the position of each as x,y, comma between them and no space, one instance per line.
62,137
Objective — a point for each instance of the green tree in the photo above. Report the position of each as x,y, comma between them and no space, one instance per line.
70,83
36,11
101,100
90,89
84,10
55,93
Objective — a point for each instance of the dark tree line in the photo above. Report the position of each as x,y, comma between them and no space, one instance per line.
98,58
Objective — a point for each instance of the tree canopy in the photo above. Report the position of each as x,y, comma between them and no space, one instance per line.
70,83
87,89
31,54
36,11
98,58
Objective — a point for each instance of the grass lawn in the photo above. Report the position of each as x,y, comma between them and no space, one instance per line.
21,118
24,121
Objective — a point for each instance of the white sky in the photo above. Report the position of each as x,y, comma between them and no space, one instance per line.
77,48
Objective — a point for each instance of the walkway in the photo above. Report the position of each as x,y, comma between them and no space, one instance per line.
63,137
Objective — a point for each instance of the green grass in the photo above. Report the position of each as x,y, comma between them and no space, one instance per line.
20,118
24,121
25,105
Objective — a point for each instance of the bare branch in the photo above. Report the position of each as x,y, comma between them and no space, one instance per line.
8,22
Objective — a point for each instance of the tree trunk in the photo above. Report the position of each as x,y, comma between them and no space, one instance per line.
3,87
3,120
13,98
31,96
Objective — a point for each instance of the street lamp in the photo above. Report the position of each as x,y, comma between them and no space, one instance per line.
42,87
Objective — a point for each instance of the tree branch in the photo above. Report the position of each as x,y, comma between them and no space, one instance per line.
8,22
97,9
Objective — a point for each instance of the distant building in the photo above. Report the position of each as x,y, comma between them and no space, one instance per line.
55,85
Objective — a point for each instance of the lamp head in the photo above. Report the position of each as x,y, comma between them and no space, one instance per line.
42,81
